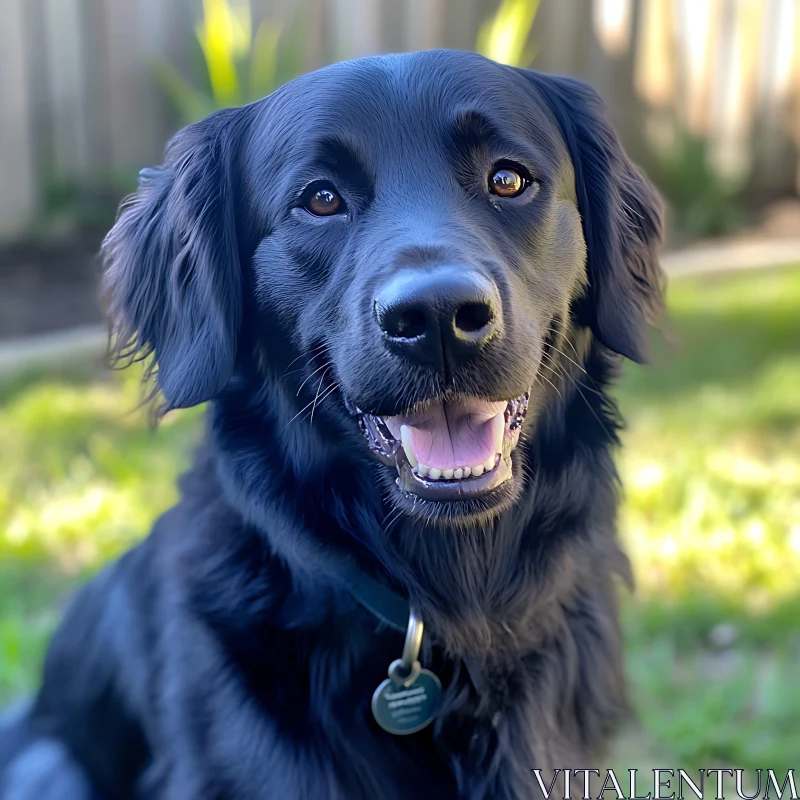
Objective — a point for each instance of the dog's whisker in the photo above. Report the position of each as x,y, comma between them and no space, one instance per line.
568,358
316,397
309,405
566,374
391,519
562,335
553,365
559,371
297,370
600,422
311,354
325,395
555,388
589,389
309,361
577,384
325,366
528,472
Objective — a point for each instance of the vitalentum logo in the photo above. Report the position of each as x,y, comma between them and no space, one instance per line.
667,784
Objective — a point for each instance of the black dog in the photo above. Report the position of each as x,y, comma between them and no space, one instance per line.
452,256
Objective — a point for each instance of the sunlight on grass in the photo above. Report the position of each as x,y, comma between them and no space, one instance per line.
82,477
711,467
712,464
711,470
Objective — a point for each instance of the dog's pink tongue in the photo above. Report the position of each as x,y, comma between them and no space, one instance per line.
453,435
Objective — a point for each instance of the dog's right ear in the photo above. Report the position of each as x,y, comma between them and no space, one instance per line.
173,277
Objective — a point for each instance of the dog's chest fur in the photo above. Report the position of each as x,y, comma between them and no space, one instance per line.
531,677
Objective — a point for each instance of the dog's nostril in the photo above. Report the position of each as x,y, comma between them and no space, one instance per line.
472,317
409,324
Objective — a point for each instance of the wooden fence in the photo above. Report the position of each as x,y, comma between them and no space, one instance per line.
79,104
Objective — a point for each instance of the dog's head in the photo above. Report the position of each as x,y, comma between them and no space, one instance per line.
413,240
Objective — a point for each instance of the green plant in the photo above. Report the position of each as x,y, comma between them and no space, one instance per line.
238,65
86,203
504,36
703,201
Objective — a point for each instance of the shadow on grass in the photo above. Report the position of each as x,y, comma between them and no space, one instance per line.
726,329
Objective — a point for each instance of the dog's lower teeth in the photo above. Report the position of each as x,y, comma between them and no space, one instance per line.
435,474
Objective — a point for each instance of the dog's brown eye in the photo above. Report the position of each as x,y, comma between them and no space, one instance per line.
507,182
324,203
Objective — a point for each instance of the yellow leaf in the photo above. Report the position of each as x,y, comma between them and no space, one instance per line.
504,37
225,35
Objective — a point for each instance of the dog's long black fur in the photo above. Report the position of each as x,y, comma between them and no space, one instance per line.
222,657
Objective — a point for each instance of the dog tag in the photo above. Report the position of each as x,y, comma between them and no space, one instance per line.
401,709
407,701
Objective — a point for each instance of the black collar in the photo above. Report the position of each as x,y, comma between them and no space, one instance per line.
388,606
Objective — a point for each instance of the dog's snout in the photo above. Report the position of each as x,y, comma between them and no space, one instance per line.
438,316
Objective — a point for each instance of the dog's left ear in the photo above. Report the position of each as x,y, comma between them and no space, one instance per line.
173,274
622,218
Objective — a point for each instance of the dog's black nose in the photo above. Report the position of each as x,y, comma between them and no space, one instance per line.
439,316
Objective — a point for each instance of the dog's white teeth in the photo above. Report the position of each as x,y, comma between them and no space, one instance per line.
405,438
435,474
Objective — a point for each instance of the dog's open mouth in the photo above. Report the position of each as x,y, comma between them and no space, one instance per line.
448,449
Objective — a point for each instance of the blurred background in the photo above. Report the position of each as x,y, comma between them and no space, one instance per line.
706,96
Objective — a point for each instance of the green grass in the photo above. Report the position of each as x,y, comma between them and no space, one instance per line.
712,521
712,518
80,481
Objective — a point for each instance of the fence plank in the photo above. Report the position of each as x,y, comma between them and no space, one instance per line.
462,23
556,35
17,175
424,24
66,70
356,27
316,24
793,94
137,35
774,149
